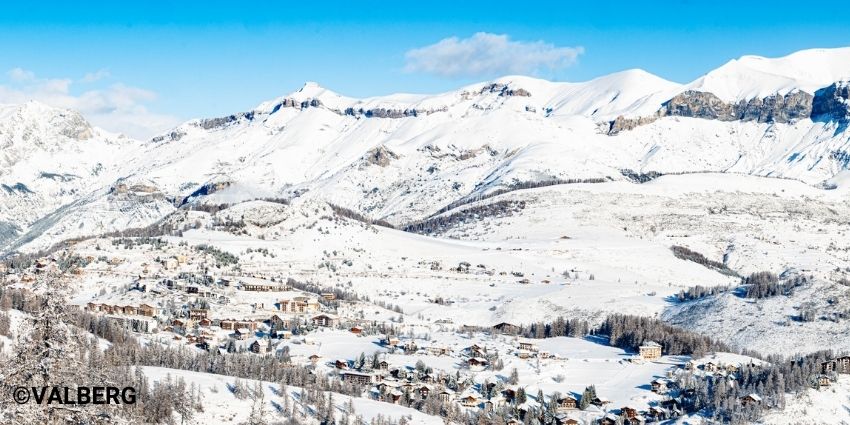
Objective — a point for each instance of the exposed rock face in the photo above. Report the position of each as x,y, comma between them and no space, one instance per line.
832,103
776,108
380,156
173,136
504,90
695,104
211,123
622,123
73,125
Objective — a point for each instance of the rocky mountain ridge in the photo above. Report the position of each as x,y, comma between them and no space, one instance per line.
829,103
403,158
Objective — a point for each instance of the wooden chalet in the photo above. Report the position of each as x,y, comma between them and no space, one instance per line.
506,328
325,320
359,378
750,399
566,403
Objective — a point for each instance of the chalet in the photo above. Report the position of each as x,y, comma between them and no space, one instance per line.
169,263
356,330
423,391
822,381
358,377
341,364
205,322
528,346
243,333
609,419
260,286
181,323
506,328
299,305
657,414
394,396
445,395
314,358
600,401
565,403
229,325
259,347
283,334
148,310
438,350
330,296
628,412
709,367
476,350
671,404
477,362
650,350
391,341
278,322
523,354
383,365
565,420
469,400
198,313
326,320
749,399
659,386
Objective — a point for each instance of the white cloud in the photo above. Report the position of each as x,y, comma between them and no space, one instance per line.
115,107
485,54
98,75
19,75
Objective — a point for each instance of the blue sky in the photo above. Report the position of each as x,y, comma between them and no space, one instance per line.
141,68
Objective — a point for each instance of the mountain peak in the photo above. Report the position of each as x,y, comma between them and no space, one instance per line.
753,76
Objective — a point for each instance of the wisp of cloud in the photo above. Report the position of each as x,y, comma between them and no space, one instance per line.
486,54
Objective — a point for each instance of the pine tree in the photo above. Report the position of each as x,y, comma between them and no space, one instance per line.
49,353
258,406
514,379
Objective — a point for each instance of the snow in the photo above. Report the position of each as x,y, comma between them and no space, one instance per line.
474,141
221,406
756,76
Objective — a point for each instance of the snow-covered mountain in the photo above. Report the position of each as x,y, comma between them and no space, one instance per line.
404,157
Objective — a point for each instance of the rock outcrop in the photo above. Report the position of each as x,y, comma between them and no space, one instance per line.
790,107
832,103
380,156
777,108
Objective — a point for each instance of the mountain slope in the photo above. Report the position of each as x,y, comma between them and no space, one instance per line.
404,157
